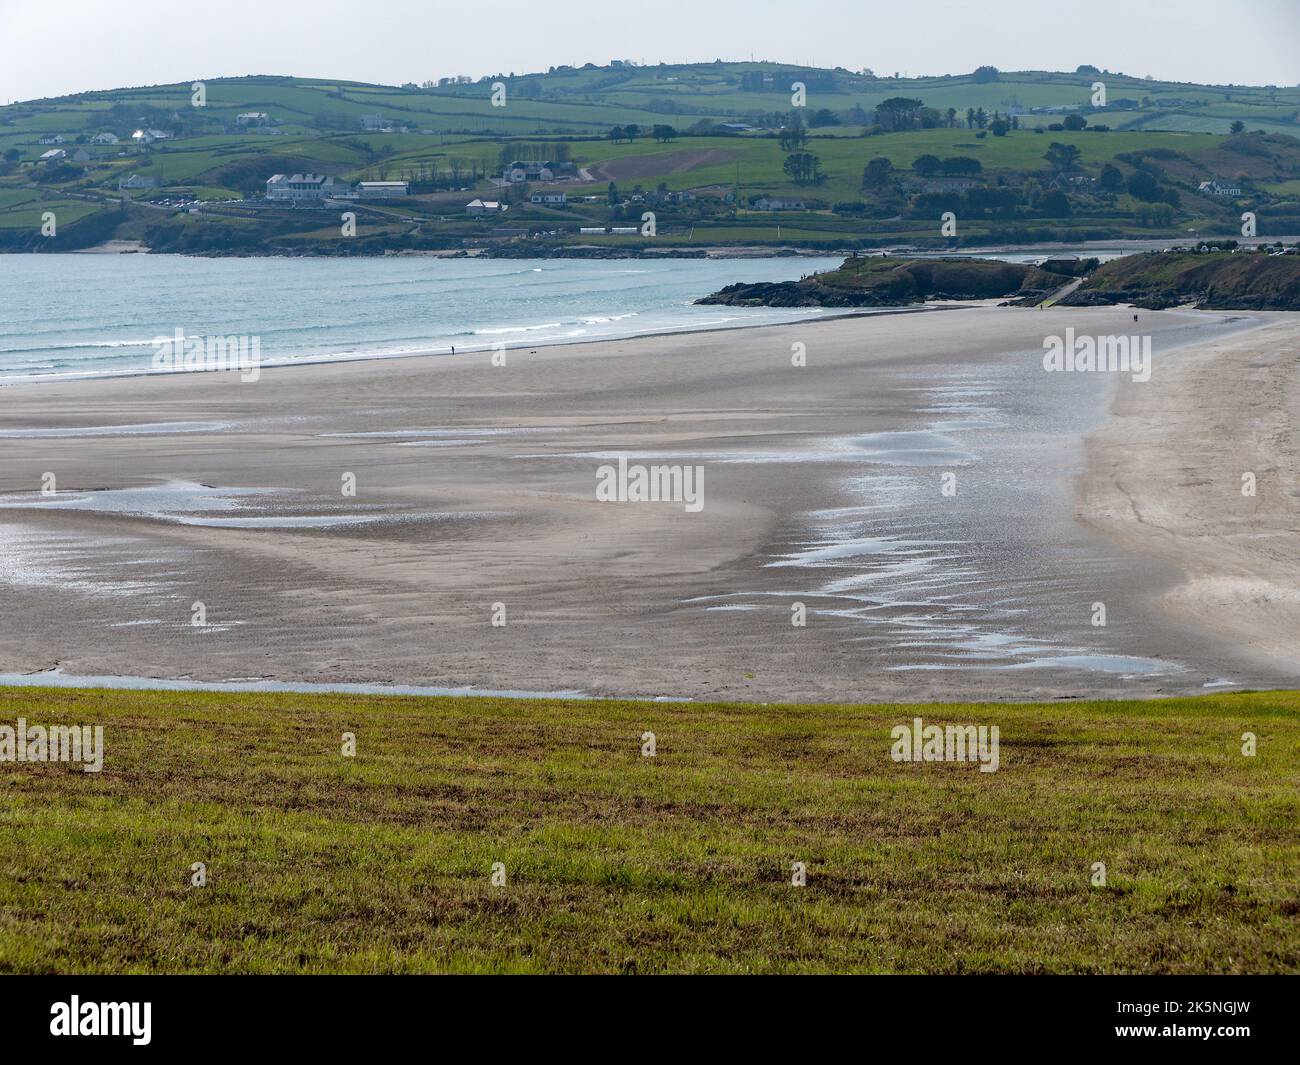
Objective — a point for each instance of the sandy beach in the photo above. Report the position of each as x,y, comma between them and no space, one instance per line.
943,513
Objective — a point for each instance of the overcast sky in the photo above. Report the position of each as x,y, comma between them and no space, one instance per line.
53,47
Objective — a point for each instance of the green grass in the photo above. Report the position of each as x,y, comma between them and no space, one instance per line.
678,863
31,215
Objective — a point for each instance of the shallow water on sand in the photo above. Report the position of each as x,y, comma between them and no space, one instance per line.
984,572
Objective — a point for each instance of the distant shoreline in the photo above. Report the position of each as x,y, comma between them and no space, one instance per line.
749,251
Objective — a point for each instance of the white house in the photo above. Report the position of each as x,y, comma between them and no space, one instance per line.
382,190
549,199
300,188
518,171
135,181
104,138
479,208
51,138
53,154
252,118
1218,188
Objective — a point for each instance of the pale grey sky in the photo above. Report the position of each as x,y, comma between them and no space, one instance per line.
52,48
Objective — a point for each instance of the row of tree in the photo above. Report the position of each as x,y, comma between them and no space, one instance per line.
631,132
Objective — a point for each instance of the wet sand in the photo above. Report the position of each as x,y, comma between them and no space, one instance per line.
823,487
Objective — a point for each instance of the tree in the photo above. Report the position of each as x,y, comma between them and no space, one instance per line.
985,74
823,117
617,134
13,155
970,118
1074,123
613,195
878,173
1087,68
804,168
1055,204
961,166
951,115
928,165
981,117
1000,127
1112,179
1239,126
898,113
664,133
1142,186
792,138
1062,156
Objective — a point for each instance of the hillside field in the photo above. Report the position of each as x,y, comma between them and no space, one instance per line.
612,861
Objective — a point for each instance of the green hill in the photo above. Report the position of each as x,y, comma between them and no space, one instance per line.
891,282
1221,280
709,148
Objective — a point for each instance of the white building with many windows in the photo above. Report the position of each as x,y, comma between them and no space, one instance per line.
300,188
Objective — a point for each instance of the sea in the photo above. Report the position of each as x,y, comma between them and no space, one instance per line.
66,317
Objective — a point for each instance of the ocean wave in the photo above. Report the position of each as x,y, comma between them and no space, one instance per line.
518,329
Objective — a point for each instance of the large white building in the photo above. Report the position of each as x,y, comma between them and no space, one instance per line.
300,188
381,190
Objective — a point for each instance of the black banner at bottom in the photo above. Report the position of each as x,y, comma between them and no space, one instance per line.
145,1013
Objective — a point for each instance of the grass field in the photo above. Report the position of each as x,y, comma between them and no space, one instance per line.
681,862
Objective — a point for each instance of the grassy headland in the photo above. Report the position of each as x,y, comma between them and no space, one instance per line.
616,862
893,282
1215,281
1267,279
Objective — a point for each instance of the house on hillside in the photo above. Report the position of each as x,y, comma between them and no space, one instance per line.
1071,182
480,208
300,188
951,185
81,156
52,138
252,118
53,155
778,203
549,199
104,138
1215,187
513,173
520,171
